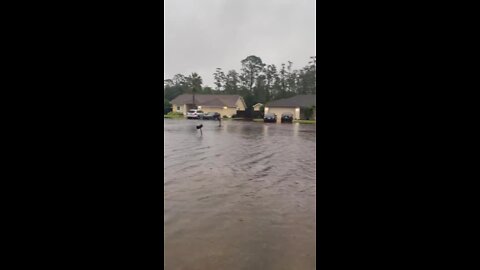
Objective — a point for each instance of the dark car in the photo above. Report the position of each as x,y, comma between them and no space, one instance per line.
287,117
211,116
270,117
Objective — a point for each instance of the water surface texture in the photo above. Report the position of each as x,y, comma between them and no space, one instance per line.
242,196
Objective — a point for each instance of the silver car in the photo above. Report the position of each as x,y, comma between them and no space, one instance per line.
194,114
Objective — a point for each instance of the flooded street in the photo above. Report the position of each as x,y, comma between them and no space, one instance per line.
242,196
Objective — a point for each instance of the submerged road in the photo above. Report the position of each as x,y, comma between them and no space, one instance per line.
241,196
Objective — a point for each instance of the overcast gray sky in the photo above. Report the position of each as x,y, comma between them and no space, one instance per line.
201,35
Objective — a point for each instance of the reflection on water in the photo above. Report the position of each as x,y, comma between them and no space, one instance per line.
242,196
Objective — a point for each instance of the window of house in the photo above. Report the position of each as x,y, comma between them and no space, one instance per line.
178,108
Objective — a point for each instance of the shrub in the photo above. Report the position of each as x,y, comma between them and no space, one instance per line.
233,116
225,116
175,114
166,106
308,112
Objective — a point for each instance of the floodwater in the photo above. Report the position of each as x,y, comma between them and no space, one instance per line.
240,196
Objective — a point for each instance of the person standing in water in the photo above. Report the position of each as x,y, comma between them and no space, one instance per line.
219,120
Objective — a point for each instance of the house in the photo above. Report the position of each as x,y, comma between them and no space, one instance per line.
257,107
224,104
296,105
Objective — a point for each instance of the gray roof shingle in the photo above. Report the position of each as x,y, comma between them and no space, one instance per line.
296,101
207,100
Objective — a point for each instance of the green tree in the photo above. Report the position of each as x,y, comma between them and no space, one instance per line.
302,85
271,76
257,81
232,81
291,78
208,90
251,68
313,63
174,87
220,79
166,106
281,83
168,82
311,75
308,112
259,91
194,82
179,79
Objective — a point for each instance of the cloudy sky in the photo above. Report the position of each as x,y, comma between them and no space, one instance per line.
201,35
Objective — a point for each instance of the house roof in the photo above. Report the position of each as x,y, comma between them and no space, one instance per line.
258,104
296,101
208,100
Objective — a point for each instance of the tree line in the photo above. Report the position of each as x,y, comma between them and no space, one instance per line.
255,82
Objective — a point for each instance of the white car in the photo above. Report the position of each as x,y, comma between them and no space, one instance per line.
195,114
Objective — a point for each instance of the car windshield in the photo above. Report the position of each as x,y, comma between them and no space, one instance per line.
269,115
288,114
192,111
200,111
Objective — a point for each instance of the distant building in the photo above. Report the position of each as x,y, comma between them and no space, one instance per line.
224,104
296,105
257,106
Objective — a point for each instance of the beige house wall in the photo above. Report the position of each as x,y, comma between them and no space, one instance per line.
229,111
281,110
183,108
257,108
174,108
206,109
240,105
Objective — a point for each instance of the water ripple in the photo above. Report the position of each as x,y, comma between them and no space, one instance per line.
241,196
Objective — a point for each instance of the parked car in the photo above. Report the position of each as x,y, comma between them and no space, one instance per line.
270,117
287,117
194,114
211,116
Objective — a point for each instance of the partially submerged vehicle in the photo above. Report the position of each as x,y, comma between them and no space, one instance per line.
211,116
287,117
270,117
195,114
